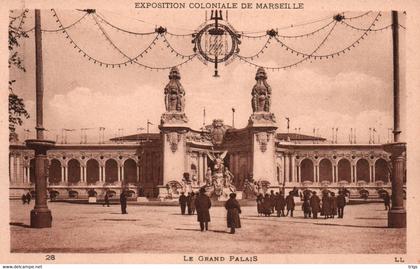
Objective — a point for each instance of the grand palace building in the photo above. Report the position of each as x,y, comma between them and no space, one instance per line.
155,164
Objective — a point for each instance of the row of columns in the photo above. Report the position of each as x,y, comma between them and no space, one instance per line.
201,167
292,171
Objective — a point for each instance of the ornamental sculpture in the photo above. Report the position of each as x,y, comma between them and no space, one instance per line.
174,92
261,93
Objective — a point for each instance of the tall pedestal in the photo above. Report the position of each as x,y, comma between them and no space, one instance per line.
397,216
40,216
173,130
262,128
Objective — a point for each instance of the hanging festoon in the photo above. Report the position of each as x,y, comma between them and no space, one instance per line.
216,41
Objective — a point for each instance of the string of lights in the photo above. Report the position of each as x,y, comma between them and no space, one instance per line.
358,16
22,21
58,30
336,53
93,59
16,17
101,17
371,30
296,63
261,51
173,50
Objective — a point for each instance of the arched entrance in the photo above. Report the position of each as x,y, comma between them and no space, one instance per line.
362,168
325,170
130,171
111,171
344,170
92,171
54,173
73,168
307,170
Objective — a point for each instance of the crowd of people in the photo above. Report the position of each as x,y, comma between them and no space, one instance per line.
201,204
329,205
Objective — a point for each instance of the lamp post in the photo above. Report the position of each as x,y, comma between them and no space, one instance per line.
40,216
397,216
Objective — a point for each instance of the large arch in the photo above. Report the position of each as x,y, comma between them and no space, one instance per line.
54,173
307,170
111,171
73,170
32,170
344,170
325,170
362,170
130,171
92,171
381,170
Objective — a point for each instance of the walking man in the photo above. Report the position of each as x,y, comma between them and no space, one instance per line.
290,203
123,202
106,200
341,203
202,205
183,202
315,207
387,201
233,210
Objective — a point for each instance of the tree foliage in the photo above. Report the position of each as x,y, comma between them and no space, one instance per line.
17,110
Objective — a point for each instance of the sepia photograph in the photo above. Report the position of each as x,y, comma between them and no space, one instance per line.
208,132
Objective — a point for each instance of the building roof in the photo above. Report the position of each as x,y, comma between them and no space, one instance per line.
136,137
295,136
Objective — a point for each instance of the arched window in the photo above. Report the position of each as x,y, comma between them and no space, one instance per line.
73,168
92,171
111,171
307,170
325,170
362,168
344,170
130,171
54,174
381,171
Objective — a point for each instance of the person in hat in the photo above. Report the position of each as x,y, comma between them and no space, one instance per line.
123,202
202,205
315,204
183,202
341,203
325,209
192,203
233,210
306,206
189,203
106,200
333,205
280,204
290,204
387,201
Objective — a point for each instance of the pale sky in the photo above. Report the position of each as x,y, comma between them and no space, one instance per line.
350,91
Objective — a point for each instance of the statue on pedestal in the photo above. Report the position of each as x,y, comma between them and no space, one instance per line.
221,178
261,93
174,92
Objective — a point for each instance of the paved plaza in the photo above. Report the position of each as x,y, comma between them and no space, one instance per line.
86,228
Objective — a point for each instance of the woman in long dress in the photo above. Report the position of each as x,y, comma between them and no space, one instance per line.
233,210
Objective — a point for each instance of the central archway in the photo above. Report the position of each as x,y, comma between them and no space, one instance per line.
344,170
92,171
307,170
325,170
111,171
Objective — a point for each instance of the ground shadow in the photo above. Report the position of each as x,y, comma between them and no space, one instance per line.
373,218
120,219
185,229
220,231
352,226
19,224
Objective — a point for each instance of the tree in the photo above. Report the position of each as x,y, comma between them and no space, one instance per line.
17,110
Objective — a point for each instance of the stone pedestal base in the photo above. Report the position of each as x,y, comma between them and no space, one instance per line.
397,218
92,200
142,199
41,218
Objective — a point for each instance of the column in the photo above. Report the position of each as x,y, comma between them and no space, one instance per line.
81,173
287,167
103,174
300,173
28,174
315,169
66,174
373,173
334,179
204,164
370,173
355,173
351,174
138,173
199,167
11,168
84,173
293,167
18,169
122,172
